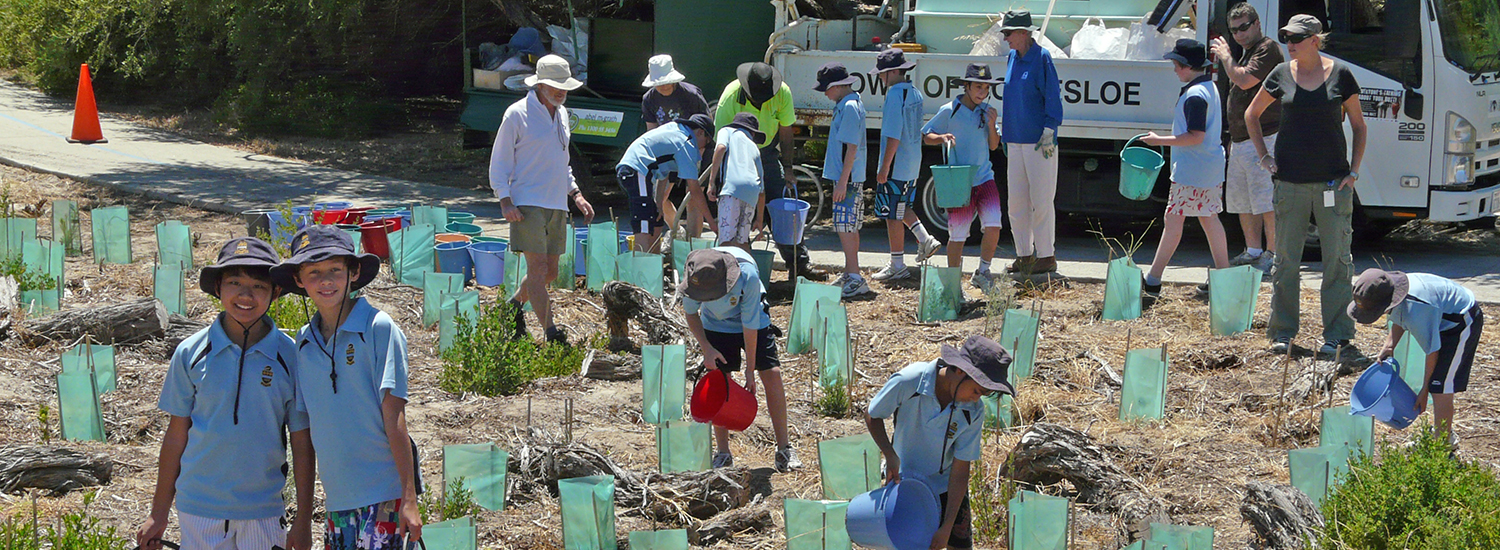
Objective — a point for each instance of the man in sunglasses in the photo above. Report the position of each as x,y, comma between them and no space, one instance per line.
1248,190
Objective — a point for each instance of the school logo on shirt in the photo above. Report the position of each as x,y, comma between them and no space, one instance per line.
349,355
265,376
734,301
952,429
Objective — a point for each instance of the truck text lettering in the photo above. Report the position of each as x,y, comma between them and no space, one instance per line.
1108,93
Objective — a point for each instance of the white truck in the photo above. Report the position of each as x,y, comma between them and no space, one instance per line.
1429,72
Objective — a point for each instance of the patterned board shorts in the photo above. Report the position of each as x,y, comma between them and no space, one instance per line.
1195,202
371,527
893,197
735,220
848,215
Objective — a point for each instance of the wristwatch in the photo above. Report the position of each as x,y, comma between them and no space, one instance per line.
1354,175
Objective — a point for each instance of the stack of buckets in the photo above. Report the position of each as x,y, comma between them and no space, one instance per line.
454,252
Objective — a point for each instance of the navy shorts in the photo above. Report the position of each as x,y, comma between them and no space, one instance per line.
640,191
893,197
730,344
1456,354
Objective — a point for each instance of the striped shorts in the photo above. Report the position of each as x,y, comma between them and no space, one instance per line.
231,534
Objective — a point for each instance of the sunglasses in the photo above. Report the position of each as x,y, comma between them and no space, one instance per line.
1242,28
1288,38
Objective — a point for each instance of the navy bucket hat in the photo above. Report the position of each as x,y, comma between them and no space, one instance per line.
316,243
238,252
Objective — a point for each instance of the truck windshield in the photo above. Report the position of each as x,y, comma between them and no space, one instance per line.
1471,33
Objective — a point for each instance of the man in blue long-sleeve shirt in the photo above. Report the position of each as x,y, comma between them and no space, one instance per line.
1031,111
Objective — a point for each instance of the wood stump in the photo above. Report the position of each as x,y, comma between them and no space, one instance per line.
1049,453
54,469
625,302
124,323
1280,515
614,367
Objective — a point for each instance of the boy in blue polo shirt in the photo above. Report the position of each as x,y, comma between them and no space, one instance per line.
351,382
900,162
966,128
645,171
938,420
223,457
726,312
844,165
736,166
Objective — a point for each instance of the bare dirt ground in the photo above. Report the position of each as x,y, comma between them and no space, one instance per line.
1224,424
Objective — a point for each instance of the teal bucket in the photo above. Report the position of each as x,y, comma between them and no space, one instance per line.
1380,392
898,516
489,262
460,217
764,259
954,184
466,229
1139,167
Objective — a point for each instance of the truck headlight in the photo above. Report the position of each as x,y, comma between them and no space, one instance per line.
1456,169
1459,135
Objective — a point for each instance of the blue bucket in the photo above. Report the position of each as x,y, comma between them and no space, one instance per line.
276,222
764,259
453,257
302,216
788,219
580,250
489,262
333,205
1380,392
899,516
406,218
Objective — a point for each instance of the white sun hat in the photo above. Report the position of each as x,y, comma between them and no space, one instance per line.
553,71
661,72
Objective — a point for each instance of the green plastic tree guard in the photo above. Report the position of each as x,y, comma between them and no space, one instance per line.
999,411
482,466
166,285
1018,335
602,249
454,534
434,285
16,232
850,466
461,307
835,361
1122,290
666,539
681,248
95,359
799,335
566,279
816,524
1231,300
1181,537
1412,359
642,270
435,216
111,228
683,446
356,237
46,258
65,226
1355,433
1316,469
515,274
174,244
588,512
78,406
411,254
663,382
942,294
1038,522
1143,395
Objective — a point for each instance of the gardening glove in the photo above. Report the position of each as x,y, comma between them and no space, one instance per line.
1048,144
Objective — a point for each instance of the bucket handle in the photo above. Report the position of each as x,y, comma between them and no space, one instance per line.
947,153
1132,140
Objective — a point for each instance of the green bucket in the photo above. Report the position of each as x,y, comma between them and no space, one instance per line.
954,182
468,229
1139,167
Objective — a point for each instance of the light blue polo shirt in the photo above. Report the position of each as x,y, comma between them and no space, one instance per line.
971,136
741,169
662,150
1032,98
901,119
1428,297
928,437
348,428
848,127
731,313
233,471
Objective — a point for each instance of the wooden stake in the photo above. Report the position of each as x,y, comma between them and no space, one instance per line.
568,420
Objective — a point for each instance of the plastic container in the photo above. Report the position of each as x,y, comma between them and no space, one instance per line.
356,215
489,262
405,217
954,183
899,516
764,260
329,217
788,220
581,250
723,402
488,240
372,237
1380,392
333,205
1139,167
453,257
468,229
460,217
397,222
452,238
257,221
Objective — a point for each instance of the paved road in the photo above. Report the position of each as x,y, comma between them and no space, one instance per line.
167,167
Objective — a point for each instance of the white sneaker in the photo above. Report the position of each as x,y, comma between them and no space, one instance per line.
982,280
927,248
891,273
723,460
1245,258
854,285
786,460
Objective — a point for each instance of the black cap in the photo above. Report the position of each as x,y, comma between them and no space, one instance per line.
316,243
982,359
892,59
238,252
833,74
758,80
979,72
1189,52
1376,292
750,124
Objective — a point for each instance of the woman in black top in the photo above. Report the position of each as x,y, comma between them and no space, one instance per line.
1314,178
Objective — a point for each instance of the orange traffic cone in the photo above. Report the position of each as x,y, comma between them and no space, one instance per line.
85,112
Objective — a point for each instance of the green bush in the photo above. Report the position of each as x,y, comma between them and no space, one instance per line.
1417,498
486,360
74,531
456,502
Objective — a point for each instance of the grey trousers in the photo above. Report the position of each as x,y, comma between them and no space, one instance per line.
1296,205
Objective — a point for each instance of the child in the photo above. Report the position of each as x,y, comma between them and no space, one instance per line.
1197,162
351,382
646,169
742,198
967,127
938,421
1441,315
726,312
900,161
224,453
844,164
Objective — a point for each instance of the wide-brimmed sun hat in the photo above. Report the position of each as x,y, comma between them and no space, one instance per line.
659,72
316,243
1018,20
982,359
710,274
758,80
238,252
750,124
553,71
834,74
1376,293
892,59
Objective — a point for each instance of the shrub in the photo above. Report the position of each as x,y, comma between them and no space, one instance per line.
75,530
455,502
1417,497
834,402
486,360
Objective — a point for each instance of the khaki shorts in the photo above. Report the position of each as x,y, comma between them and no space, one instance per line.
543,231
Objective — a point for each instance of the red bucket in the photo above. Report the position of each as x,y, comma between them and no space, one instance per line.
329,217
723,402
356,215
372,237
